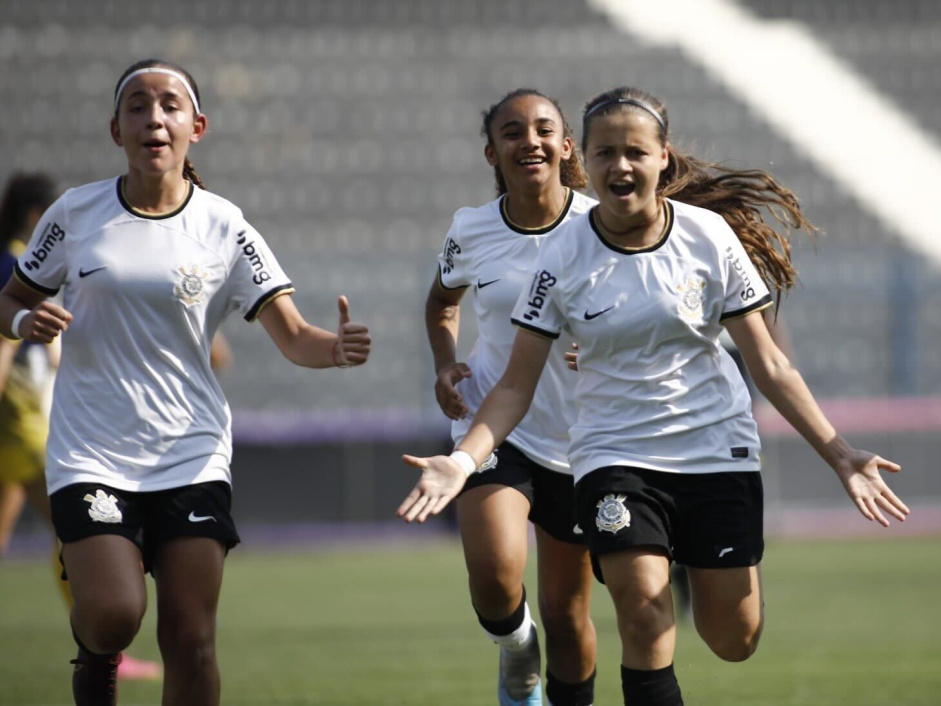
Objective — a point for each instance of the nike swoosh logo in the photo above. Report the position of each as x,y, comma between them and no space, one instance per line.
577,530
726,551
85,273
196,518
589,317
481,285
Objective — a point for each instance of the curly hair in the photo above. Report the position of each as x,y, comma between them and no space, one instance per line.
571,173
740,196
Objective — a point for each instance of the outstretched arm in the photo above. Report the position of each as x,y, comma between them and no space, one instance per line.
442,321
313,347
442,476
784,388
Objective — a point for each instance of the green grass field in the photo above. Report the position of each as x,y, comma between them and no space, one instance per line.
847,623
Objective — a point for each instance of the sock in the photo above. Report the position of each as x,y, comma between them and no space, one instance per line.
95,677
653,687
560,693
515,632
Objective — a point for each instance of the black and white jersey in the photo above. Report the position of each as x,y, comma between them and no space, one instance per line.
136,405
655,388
485,250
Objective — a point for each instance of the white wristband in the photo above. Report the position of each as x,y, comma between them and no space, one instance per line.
17,320
465,461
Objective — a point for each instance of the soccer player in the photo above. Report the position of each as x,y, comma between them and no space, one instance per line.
491,251
139,448
26,373
665,450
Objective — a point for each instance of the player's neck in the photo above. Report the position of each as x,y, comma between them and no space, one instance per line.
538,209
639,231
155,194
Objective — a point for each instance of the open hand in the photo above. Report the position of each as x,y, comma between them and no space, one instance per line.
859,473
353,341
441,480
449,399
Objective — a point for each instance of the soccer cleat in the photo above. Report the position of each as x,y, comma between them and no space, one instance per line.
519,683
131,669
95,679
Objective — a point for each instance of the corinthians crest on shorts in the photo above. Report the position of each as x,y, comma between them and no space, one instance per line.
190,287
691,294
613,515
104,507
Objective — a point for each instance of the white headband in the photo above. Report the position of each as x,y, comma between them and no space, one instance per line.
154,70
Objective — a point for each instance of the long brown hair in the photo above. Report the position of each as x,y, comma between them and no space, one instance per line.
189,171
571,173
739,195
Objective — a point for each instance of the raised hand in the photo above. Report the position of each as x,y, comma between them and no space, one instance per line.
441,480
353,341
44,323
859,473
449,399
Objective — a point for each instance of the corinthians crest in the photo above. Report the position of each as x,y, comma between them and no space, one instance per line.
612,513
691,294
104,508
489,462
190,287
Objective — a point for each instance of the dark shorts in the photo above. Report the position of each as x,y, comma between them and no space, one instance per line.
702,520
147,519
551,494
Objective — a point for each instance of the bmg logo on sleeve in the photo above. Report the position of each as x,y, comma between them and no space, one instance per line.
538,291
450,250
254,257
747,291
52,234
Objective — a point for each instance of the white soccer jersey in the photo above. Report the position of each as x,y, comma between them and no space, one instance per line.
487,251
655,389
136,405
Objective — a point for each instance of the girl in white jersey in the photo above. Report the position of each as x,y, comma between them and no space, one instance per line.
491,249
140,437
664,450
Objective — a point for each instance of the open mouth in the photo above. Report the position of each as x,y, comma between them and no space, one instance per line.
531,161
621,188
155,145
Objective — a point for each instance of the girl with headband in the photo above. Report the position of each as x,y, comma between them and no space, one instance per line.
140,441
665,451
490,251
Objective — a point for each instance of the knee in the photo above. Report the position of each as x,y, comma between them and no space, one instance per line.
563,619
495,588
643,621
109,629
190,644
736,647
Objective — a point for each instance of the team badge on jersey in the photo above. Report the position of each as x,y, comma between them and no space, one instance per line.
190,287
691,295
104,507
613,515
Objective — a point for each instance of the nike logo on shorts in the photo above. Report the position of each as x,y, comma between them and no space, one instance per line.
577,530
196,518
726,551
589,317
85,273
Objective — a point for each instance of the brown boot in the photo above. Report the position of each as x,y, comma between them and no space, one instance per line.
95,679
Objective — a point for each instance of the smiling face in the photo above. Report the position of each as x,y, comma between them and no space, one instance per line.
624,158
528,143
156,123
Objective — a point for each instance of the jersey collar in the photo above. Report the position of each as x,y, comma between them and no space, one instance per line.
543,229
635,251
153,216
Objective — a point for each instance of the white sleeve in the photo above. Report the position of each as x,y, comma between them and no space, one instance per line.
44,265
538,308
453,261
255,278
745,291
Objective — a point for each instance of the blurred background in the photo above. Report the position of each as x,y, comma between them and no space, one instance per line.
348,132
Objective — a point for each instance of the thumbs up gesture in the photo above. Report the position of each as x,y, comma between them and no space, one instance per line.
352,344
